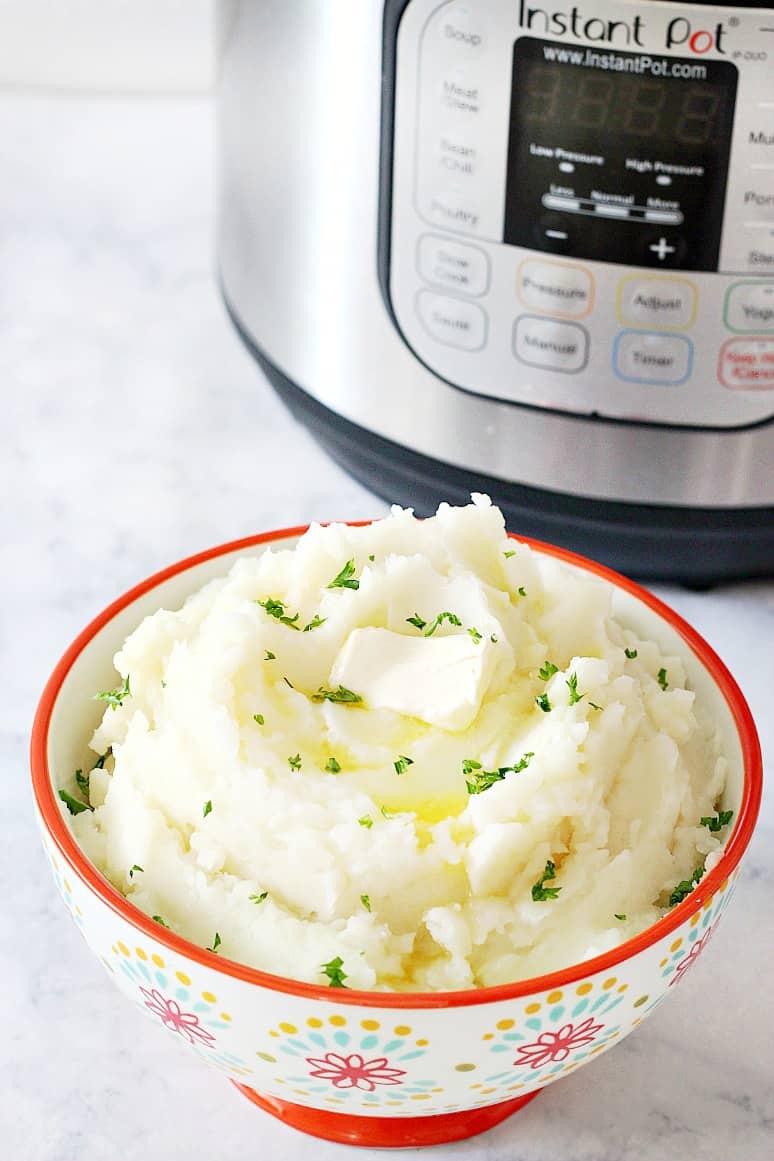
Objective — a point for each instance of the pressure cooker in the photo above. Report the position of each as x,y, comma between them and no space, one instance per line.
521,247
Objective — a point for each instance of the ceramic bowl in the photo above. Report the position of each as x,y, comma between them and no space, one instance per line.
368,1068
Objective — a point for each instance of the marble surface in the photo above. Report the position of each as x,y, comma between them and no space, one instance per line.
136,430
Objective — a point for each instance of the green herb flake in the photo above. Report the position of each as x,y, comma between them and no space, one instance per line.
452,618
522,591
74,805
402,764
366,901
315,623
478,780
295,762
333,970
685,887
278,609
100,763
346,578
547,671
630,653
715,822
511,552
288,683
259,898
259,719
544,702
662,679
594,705
115,697
540,892
340,695
215,943
387,813
371,556
332,766
476,636
366,821
135,867
82,782
269,656
417,621
207,808
621,917
161,922
493,639
572,685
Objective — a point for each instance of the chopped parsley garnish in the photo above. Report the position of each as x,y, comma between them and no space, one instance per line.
134,868
371,556
258,719
493,639
417,622
387,813
478,780
474,633
315,623
547,671
544,702
74,805
269,656
340,694
366,901
82,782
288,682
402,764
346,578
572,685
621,917
366,821
685,887
539,891
511,552
594,705
522,591
630,653
713,822
332,766
452,618
278,610
207,808
295,762
333,970
259,898
115,697
158,919
215,943
99,764
662,679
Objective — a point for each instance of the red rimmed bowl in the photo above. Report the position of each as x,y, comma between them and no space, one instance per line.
376,1068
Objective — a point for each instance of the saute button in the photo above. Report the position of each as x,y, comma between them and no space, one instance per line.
556,346
750,307
452,320
555,288
647,357
747,364
453,265
657,302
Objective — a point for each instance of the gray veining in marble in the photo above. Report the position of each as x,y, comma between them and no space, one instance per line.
136,430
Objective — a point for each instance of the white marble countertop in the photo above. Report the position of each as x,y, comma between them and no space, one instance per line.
136,430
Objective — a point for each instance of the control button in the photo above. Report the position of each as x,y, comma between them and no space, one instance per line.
553,232
461,30
460,93
555,346
453,265
453,210
558,288
660,250
456,158
757,205
647,357
452,321
657,302
747,364
750,307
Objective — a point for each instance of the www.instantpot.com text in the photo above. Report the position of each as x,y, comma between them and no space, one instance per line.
654,66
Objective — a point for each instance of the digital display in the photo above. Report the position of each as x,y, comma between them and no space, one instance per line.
618,156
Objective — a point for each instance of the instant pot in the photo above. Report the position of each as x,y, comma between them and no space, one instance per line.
524,247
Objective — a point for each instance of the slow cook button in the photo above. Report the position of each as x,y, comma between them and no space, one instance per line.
750,307
554,346
657,302
646,357
558,288
747,364
453,265
452,320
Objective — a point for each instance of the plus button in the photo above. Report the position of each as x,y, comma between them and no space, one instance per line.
661,249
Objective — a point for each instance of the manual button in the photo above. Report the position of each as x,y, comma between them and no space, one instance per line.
657,302
452,321
554,346
648,357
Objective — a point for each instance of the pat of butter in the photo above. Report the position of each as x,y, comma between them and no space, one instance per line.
440,680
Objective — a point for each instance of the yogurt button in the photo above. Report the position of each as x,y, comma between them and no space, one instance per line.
750,307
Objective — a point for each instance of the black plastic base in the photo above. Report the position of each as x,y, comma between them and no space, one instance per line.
695,546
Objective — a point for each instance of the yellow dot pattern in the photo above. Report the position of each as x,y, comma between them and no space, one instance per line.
465,1067
313,1022
674,946
504,1025
267,1057
184,979
608,984
337,1021
208,996
370,1025
553,997
159,962
124,949
584,989
532,1008
402,1030
289,1029
141,953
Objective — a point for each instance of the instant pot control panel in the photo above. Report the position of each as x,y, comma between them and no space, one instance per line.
582,204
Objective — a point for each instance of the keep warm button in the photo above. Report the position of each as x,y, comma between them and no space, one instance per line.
747,364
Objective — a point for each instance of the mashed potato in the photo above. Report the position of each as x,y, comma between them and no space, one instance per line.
414,756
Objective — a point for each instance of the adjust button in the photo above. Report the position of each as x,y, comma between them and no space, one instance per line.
554,346
558,288
647,357
747,364
657,302
453,265
452,321
750,307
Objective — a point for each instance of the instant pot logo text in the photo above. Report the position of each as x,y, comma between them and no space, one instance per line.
679,32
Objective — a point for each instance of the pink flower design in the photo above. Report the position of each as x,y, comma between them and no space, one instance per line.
689,960
558,1045
354,1072
173,1017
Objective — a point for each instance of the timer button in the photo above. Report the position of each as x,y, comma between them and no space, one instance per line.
453,265
649,357
452,321
749,307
